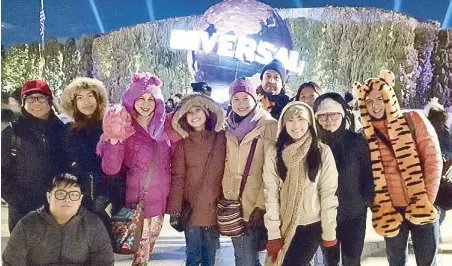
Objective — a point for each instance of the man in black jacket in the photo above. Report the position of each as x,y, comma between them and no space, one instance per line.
32,152
272,91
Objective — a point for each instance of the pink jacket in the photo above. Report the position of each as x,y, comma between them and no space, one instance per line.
136,153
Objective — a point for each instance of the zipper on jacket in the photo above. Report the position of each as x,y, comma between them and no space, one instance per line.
92,187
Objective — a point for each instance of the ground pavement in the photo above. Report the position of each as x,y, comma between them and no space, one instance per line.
170,247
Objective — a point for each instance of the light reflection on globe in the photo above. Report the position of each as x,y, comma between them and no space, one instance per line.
238,17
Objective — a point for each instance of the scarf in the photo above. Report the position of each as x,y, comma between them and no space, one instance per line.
294,157
240,129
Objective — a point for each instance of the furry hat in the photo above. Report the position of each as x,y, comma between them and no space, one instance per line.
68,95
203,101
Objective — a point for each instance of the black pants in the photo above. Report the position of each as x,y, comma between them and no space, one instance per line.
14,215
350,237
304,245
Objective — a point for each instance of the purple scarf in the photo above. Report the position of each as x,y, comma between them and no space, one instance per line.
242,128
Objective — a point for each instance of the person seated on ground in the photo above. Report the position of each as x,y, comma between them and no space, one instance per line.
61,232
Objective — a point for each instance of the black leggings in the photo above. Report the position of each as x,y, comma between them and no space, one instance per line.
304,245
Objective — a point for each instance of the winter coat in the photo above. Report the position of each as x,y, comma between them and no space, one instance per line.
352,157
355,182
236,157
445,143
137,152
39,240
189,162
40,157
274,104
81,138
429,156
83,161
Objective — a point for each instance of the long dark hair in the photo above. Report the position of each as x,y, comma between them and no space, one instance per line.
309,84
81,120
313,157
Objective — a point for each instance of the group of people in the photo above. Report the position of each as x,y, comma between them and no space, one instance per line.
312,176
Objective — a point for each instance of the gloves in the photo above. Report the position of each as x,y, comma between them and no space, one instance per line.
329,244
117,125
273,248
256,219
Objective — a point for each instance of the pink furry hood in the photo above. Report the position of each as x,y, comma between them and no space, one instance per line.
140,84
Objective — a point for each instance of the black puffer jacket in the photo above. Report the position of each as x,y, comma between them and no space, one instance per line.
81,144
39,240
40,156
352,156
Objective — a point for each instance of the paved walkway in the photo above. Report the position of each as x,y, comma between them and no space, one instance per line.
170,247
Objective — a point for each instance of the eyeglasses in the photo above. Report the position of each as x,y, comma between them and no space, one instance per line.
62,195
40,98
332,116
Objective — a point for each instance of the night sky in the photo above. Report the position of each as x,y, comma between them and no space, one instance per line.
74,18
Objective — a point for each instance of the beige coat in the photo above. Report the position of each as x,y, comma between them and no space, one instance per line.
236,157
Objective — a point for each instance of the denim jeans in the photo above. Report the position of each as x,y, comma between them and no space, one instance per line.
350,237
425,244
304,245
245,249
201,245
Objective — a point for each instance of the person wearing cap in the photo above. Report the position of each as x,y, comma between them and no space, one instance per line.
32,152
355,185
273,88
300,179
247,121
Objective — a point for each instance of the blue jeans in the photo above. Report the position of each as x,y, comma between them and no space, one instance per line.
245,249
425,244
201,245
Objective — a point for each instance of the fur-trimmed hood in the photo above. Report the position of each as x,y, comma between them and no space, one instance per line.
215,113
79,83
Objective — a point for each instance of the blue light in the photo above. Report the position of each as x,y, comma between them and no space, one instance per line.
446,20
96,14
298,3
397,5
150,10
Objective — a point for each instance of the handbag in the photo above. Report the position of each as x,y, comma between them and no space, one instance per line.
126,227
229,212
444,196
182,221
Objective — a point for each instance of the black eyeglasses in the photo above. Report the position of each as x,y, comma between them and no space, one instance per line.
40,98
332,116
62,194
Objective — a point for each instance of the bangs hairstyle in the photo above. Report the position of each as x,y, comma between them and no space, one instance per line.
309,84
66,180
313,157
81,120
209,124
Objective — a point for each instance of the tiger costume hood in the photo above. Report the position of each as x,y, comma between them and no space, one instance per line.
386,219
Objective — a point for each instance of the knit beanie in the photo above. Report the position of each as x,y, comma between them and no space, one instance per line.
277,66
242,85
298,109
328,105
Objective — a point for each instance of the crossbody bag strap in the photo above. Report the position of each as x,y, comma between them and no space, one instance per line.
248,166
147,183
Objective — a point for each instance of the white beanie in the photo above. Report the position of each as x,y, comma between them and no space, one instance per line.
329,105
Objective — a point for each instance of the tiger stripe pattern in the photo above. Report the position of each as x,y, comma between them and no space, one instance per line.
385,219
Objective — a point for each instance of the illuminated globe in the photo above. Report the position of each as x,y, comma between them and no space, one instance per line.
252,24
